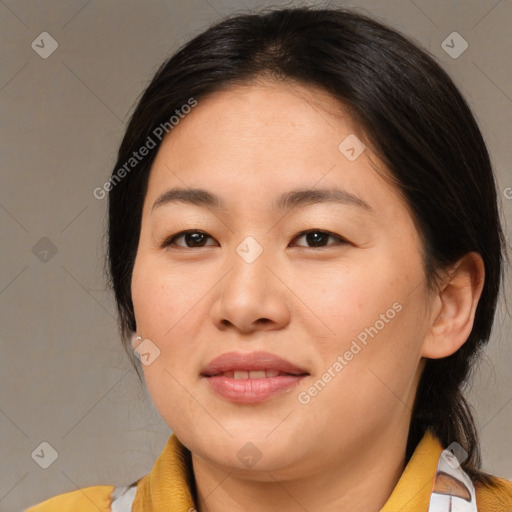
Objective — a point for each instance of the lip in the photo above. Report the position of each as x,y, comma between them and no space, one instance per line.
250,391
250,361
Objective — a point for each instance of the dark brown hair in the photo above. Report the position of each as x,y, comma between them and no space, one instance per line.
419,125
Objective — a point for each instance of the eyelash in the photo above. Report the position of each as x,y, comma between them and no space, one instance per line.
169,241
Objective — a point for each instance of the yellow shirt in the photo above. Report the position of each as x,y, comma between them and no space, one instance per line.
167,487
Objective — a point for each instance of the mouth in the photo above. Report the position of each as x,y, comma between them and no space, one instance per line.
253,374
251,365
251,377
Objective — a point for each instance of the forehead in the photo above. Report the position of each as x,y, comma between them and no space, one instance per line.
260,140
263,107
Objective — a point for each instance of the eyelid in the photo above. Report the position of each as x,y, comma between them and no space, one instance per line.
341,240
167,241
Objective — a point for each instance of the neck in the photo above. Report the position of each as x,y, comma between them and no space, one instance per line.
362,481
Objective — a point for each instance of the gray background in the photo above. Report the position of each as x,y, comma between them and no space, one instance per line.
64,376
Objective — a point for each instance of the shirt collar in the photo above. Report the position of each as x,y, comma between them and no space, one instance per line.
169,485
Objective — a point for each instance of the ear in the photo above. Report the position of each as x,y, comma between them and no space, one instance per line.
453,307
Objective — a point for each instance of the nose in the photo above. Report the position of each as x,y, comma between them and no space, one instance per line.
252,296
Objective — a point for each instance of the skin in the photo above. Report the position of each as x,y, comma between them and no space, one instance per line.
345,449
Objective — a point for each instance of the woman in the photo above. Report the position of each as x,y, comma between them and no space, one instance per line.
299,263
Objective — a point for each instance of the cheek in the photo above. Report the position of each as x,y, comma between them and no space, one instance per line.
171,305
162,296
365,385
376,324
348,299
161,301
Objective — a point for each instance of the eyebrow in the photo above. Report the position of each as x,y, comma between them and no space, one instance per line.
286,201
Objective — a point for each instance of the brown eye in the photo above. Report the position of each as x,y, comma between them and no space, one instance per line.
314,238
318,238
191,239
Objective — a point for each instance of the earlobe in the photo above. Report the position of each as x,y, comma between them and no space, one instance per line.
457,299
135,340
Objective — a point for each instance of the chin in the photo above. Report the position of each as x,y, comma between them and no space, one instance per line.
253,453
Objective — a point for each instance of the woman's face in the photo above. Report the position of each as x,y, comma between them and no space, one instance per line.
345,304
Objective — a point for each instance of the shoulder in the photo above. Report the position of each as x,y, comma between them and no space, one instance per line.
89,499
496,497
